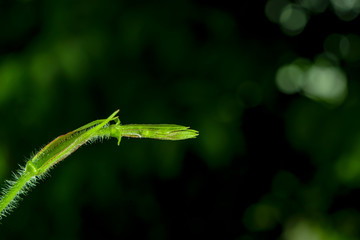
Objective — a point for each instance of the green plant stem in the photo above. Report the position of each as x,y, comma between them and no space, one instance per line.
64,145
16,188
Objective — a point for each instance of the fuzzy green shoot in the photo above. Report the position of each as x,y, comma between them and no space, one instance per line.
66,144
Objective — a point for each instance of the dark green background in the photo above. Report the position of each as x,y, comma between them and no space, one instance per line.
267,165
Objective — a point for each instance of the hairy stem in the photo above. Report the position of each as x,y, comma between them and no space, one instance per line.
64,145
14,190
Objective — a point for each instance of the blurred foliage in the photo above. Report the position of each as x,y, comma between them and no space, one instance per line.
272,86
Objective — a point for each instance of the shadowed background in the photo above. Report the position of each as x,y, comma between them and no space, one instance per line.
272,86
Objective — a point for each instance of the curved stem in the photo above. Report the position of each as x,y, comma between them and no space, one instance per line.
66,144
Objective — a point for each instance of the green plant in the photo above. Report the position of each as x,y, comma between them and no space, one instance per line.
64,145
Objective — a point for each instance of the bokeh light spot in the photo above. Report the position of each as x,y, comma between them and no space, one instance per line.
293,19
290,78
321,81
326,83
317,6
345,5
346,10
73,59
10,77
274,8
261,217
43,68
344,46
302,229
347,168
